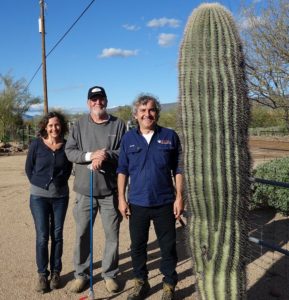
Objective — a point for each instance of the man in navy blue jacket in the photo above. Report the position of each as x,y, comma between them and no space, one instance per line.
150,156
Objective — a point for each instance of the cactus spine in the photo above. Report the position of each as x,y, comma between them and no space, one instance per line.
214,115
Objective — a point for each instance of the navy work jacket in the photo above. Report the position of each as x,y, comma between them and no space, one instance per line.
150,166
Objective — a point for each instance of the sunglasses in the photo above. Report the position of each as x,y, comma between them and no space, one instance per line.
97,98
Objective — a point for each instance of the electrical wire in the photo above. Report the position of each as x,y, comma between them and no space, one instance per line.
59,41
65,34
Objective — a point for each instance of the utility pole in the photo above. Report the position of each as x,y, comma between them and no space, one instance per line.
42,31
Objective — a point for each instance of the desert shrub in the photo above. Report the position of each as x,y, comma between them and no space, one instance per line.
268,195
265,117
269,131
123,112
168,118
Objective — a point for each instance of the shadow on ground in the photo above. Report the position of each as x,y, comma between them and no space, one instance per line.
152,264
272,266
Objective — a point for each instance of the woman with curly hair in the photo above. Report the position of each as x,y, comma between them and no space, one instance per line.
48,171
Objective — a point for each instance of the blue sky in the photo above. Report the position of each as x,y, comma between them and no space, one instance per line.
126,46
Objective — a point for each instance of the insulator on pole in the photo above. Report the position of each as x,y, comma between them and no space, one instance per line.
39,25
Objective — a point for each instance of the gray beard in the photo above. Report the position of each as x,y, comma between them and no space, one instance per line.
101,113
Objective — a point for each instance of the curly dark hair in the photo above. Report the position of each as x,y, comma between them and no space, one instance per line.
44,121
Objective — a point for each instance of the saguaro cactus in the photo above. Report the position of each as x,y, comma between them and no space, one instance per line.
214,114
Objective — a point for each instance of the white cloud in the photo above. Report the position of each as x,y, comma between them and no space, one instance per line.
162,22
109,52
243,23
247,23
166,39
36,107
130,27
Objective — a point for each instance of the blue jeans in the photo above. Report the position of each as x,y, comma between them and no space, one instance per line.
49,215
165,227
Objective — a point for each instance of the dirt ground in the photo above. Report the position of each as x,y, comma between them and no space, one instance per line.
267,270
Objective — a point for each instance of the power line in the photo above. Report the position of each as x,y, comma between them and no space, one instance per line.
59,41
70,28
35,73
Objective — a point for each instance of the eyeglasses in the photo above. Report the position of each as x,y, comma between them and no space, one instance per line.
95,99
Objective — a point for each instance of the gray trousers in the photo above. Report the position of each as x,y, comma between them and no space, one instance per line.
110,217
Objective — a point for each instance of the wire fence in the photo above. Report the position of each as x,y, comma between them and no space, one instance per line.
268,252
20,137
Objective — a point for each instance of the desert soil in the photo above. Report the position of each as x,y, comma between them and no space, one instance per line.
267,271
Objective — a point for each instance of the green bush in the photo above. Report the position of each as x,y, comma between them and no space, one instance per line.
265,117
168,118
268,195
269,131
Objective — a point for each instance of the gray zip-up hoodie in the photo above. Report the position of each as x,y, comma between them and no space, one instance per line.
88,136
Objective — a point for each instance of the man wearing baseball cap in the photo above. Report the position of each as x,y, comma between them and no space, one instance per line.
96,91
94,142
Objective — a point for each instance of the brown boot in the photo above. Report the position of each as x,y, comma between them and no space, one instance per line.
78,285
55,281
42,284
140,290
168,292
111,285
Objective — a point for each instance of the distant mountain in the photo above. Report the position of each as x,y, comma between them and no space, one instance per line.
165,107
83,110
168,106
27,117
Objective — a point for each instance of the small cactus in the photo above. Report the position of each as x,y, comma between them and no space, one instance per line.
214,116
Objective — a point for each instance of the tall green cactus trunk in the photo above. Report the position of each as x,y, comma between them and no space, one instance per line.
214,115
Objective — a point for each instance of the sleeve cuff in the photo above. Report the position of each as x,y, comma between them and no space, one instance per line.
88,156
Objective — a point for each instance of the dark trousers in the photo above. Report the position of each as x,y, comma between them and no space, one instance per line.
49,215
164,225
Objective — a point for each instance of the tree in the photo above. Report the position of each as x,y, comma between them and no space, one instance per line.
15,100
266,39
124,113
169,118
262,116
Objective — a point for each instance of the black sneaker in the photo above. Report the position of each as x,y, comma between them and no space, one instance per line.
55,281
140,290
42,284
168,292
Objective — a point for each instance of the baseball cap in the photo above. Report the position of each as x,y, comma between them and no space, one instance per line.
96,90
